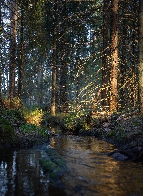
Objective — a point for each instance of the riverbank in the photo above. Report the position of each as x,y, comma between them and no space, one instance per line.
126,132
15,132
123,130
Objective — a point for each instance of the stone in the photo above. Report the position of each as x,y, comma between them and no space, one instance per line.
119,156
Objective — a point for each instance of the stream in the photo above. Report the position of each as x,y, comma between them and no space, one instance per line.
91,171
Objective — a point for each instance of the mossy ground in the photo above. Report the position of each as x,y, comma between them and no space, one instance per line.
16,132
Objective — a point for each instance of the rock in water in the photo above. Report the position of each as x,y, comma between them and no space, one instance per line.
119,156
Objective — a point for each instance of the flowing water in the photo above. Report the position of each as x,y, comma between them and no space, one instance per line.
92,172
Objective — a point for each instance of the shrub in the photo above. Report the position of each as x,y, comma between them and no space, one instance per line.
28,128
6,130
72,121
33,116
77,121
13,116
12,103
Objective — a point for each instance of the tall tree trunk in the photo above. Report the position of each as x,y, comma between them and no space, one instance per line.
20,63
114,56
141,56
64,68
13,31
40,86
0,52
123,68
54,87
134,85
105,58
54,67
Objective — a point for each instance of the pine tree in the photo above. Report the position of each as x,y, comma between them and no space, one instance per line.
105,57
54,66
114,55
141,56
13,32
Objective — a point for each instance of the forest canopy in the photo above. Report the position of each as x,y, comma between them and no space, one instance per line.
72,55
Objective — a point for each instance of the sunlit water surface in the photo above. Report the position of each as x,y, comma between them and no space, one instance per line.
92,172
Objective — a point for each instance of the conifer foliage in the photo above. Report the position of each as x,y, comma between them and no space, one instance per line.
72,55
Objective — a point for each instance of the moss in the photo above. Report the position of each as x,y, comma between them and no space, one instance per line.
6,130
55,165
47,164
4,121
55,157
53,161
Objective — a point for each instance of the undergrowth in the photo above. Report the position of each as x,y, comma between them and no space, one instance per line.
31,128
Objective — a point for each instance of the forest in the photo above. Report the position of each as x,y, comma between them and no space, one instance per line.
76,64
71,97
72,55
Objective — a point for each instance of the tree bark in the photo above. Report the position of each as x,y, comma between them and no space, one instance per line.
133,58
105,58
64,66
141,56
114,56
0,52
13,32
54,67
20,63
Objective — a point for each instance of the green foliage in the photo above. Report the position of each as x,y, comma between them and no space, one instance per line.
13,116
6,130
4,121
121,136
33,116
77,121
8,120
48,165
118,134
31,128
111,133
71,121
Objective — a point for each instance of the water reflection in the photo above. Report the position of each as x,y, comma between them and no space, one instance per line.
92,172
21,175
14,173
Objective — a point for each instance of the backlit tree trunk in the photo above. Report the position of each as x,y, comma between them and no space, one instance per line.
123,66
13,31
40,86
133,58
54,68
0,54
114,56
20,63
105,57
64,66
141,56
